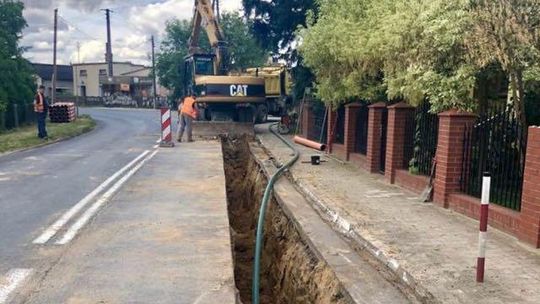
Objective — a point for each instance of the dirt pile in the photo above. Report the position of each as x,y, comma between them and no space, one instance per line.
290,271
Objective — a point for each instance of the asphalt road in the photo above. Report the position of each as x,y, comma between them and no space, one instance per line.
39,185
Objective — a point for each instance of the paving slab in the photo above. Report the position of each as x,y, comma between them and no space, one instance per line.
435,248
164,238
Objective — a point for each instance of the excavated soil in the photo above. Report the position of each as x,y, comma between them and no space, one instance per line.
290,271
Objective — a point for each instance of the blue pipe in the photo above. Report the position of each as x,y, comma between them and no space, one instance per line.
262,212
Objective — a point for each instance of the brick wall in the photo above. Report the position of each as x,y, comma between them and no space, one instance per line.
529,230
374,136
398,115
351,119
415,183
499,217
450,153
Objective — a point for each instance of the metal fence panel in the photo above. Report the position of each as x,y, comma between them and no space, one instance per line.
424,131
496,143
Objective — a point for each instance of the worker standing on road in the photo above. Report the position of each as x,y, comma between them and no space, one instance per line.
41,107
187,113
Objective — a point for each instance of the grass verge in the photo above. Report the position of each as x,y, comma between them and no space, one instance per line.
26,137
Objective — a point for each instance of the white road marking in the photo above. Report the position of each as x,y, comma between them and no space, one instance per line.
90,212
384,195
13,279
54,228
158,140
375,191
345,258
156,146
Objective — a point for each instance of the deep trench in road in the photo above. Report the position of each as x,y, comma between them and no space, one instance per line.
290,271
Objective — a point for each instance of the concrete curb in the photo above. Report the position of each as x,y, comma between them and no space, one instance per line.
48,143
347,230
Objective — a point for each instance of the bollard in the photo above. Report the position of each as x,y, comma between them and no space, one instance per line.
166,133
482,236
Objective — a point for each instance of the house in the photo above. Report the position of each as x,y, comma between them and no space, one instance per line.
93,80
44,75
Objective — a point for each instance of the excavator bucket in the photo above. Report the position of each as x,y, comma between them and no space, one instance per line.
215,129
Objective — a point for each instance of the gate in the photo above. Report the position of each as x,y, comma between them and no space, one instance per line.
496,143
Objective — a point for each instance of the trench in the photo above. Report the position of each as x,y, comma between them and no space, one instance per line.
290,271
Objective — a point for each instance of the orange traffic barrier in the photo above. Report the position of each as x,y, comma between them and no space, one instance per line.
309,143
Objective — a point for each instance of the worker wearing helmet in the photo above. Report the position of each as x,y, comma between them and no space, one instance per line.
187,113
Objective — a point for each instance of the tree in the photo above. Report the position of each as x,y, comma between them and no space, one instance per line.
275,23
243,49
16,81
506,32
450,52
390,49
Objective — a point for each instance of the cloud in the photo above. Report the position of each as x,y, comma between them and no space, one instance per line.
81,22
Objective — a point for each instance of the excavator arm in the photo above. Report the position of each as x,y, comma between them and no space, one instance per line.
204,17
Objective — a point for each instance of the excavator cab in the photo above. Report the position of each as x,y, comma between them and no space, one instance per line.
197,65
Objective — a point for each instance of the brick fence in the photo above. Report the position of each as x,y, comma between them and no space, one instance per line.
524,224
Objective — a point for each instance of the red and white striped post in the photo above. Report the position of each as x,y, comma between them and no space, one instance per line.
482,236
166,128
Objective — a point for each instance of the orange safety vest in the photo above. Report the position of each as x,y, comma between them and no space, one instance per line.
39,105
188,107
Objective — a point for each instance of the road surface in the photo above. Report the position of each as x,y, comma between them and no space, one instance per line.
38,186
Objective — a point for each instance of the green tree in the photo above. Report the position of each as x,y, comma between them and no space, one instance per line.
449,52
16,81
506,32
402,49
243,49
276,21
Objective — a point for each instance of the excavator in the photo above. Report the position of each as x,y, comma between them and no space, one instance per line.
246,97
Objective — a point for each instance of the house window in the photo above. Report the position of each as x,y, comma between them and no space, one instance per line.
102,72
83,73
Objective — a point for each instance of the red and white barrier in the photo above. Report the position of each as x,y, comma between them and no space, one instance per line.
482,236
166,128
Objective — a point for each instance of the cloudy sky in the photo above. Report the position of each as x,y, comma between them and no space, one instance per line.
81,21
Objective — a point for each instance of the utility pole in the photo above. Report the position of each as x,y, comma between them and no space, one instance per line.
76,84
108,53
78,52
154,72
55,69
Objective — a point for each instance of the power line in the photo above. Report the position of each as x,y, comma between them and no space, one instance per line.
68,23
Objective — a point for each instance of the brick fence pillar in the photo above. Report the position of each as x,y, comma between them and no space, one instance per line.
331,123
398,116
449,157
351,118
529,220
373,154
308,120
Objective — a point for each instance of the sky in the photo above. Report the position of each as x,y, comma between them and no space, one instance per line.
81,22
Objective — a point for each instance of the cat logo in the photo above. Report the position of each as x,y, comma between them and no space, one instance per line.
239,90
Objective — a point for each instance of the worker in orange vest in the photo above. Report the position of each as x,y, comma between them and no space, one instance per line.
187,112
41,107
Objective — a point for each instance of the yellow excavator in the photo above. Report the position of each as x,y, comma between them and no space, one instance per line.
247,97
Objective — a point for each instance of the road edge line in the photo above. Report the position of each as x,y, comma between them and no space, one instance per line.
53,229
90,212
14,278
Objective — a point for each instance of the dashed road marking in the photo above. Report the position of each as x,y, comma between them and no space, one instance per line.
13,279
55,227
90,212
